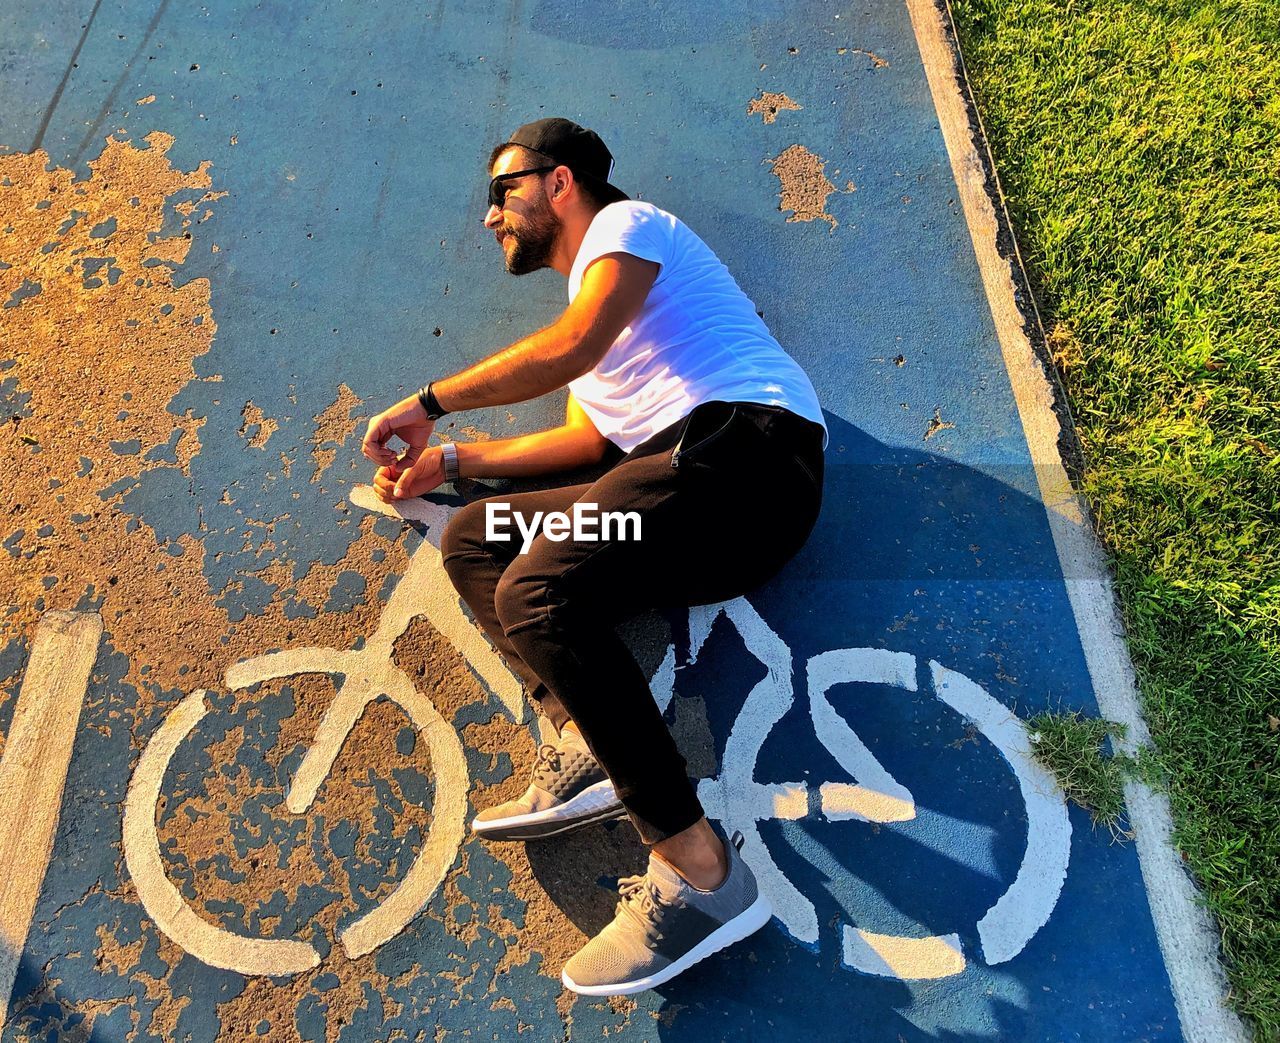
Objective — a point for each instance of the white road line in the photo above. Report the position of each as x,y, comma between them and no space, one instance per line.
33,772
1188,938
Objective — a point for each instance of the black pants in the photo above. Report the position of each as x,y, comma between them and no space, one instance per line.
725,496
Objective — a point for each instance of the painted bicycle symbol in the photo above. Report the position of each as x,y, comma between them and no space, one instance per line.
735,797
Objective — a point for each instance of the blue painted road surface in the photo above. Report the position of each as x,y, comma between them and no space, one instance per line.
235,230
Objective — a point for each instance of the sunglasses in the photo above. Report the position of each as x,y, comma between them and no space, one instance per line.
498,187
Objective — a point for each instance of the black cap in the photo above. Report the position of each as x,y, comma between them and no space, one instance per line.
579,149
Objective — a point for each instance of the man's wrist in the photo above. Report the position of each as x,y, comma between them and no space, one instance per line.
430,404
449,453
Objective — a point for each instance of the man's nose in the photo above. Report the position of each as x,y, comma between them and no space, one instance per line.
493,217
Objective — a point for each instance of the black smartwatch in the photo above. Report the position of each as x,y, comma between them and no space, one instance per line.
430,404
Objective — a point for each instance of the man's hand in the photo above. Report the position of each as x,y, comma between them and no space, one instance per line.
408,421
407,478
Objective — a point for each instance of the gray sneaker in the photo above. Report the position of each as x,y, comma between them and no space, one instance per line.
569,790
665,925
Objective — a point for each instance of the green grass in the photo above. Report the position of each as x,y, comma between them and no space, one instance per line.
1137,143
1080,752
1071,746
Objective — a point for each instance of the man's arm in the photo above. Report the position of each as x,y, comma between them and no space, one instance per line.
613,291
576,443
614,288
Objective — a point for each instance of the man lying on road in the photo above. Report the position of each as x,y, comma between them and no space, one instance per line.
721,441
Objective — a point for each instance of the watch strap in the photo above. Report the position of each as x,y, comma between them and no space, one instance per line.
450,453
430,404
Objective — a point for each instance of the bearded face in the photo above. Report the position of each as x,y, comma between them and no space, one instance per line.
529,238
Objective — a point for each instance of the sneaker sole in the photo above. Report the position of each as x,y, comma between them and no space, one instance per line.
598,803
741,926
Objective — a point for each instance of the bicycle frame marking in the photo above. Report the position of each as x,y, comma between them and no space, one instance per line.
892,956
735,797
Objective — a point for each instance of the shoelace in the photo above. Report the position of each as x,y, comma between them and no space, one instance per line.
548,757
640,900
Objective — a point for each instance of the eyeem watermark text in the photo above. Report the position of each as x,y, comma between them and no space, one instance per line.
587,524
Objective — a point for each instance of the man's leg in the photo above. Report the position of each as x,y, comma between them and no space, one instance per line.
475,564
559,603
568,788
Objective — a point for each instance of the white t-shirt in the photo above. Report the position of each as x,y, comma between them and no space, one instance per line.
697,337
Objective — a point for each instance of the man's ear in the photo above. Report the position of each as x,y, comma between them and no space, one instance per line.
560,183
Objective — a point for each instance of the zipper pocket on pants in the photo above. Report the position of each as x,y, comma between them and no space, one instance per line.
813,478
680,446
